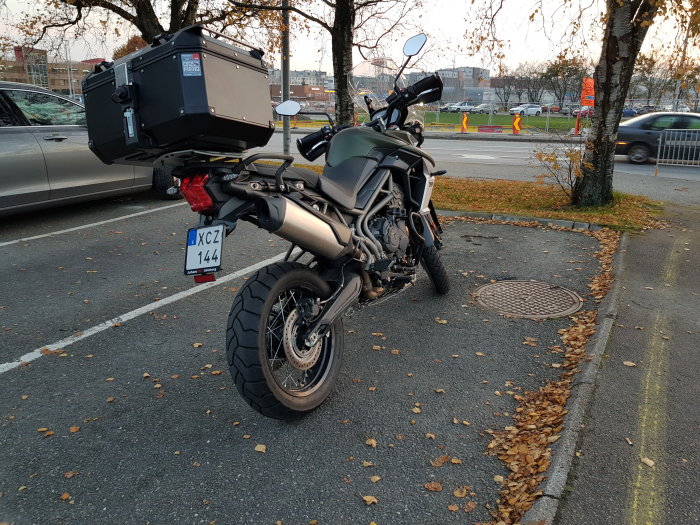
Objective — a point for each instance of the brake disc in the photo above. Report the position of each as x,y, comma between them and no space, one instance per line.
301,358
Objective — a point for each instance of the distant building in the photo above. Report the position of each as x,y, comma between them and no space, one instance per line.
31,66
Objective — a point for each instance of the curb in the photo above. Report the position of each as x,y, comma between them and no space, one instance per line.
472,136
516,218
544,511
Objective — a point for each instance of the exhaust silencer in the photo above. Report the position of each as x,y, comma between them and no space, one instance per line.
301,227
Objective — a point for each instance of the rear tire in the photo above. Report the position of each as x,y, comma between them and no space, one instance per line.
432,264
638,154
263,334
162,182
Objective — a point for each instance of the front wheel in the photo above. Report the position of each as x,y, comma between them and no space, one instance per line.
273,368
432,264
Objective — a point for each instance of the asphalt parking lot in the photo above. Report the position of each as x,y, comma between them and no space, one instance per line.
142,423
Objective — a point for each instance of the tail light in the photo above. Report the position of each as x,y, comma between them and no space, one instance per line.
195,192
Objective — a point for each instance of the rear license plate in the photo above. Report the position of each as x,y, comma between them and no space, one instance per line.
203,251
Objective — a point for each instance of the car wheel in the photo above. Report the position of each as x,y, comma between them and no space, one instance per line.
165,185
481,111
638,154
537,113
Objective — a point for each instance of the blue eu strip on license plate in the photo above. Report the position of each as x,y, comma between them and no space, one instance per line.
203,250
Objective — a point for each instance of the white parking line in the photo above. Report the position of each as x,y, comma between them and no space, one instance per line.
91,225
36,354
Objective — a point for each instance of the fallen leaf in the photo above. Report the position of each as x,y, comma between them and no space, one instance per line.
439,390
374,479
430,436
416,410
146,375
439,462
216,372
372,389
197,345
470,506
648,462
461,492
629,363
498,479
369,500
70,474
46,351
49,433
456,461
629,441
378,334
433,486
41,429
367,464
110,400
196,464
65,496
371,442
376,347
73,430
395,351
480,354
453,508
261,448
440,321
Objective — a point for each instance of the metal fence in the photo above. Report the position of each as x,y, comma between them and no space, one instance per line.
679,147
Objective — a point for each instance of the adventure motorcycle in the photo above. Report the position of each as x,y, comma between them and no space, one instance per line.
365,225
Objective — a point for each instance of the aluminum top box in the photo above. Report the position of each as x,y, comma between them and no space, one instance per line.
195,89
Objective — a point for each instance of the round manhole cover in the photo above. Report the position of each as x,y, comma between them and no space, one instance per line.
528,299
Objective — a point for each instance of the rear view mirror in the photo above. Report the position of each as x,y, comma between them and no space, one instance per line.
414,44
288,108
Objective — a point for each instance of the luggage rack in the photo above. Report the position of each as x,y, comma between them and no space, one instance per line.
188,159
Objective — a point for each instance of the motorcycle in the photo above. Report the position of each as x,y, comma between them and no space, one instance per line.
358,234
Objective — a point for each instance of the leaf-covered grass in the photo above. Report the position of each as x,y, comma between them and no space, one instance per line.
532,199
538,200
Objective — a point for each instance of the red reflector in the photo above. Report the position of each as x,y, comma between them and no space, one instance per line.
204,278
194,191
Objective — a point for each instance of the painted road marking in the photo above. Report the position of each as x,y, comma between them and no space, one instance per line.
649,483
36,354
91,225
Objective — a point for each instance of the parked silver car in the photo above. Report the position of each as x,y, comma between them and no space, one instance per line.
45,156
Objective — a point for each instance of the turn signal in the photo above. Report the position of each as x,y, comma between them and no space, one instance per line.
194,190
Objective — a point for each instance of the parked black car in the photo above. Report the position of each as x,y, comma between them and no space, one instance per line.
638,138
45,156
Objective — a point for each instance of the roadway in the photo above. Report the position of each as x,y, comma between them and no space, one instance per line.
512,160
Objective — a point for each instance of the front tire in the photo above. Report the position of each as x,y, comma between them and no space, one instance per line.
433,266
273,370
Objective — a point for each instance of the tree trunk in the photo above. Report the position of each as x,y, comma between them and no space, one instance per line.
623,37
341,43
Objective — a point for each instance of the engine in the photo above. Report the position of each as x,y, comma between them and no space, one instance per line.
390,227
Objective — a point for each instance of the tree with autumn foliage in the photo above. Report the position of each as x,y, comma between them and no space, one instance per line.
133,44
350,23
625,25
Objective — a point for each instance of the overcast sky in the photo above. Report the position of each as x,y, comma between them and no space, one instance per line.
446,22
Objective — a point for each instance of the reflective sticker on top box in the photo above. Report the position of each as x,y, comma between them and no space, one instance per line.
191,65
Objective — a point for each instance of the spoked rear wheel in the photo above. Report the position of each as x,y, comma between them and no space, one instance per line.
273,368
